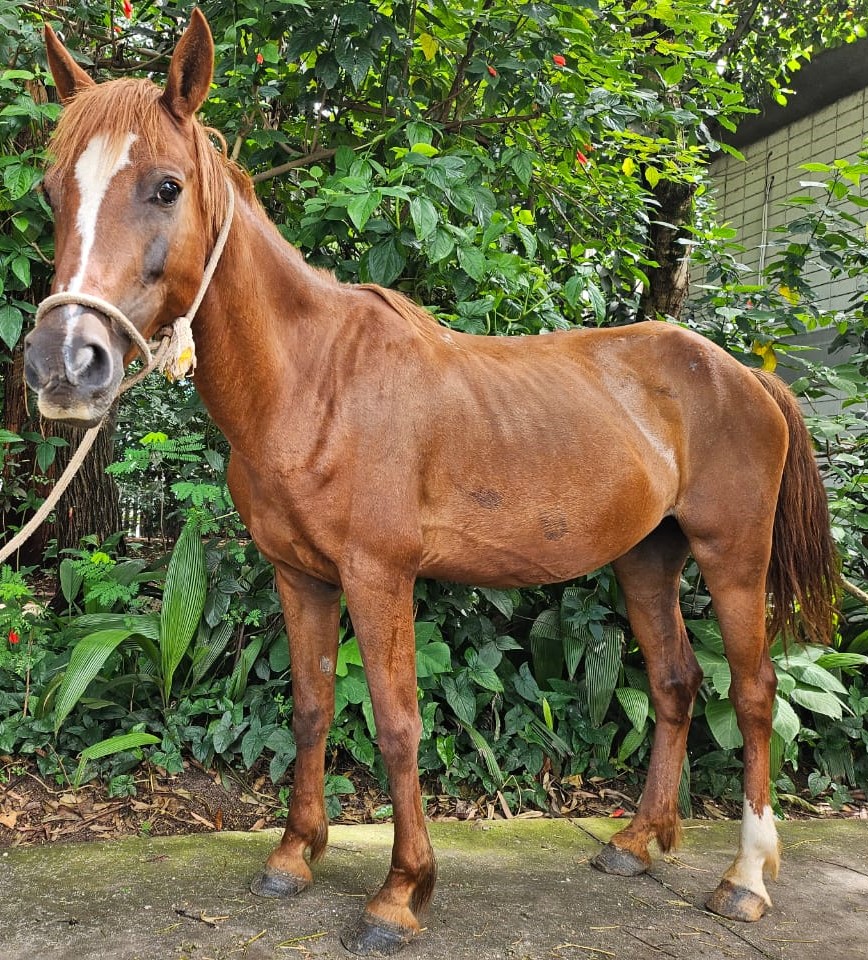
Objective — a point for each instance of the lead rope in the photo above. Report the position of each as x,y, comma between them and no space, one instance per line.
175,354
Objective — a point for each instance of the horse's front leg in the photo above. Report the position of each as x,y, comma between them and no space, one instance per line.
311,610
381,609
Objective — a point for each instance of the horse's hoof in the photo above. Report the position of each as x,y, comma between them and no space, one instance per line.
371,936
277,884
736,903
618,861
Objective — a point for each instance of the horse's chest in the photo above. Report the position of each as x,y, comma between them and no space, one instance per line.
289,519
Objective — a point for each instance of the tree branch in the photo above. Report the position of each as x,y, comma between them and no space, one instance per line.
741,28
292,165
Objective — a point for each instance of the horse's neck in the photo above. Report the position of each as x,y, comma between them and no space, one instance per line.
253,334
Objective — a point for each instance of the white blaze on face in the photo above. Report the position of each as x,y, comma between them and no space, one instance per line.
95,169
758,851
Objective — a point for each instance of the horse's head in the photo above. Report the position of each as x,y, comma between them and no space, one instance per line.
136,190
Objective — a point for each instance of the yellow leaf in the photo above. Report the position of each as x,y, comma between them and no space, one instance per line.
652,176
628,166
429,45
790,295
425,149
767,352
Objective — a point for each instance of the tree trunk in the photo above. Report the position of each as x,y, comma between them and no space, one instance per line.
668,282
90,504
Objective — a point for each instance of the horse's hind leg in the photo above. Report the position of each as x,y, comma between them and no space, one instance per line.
735,574
311,610
649,576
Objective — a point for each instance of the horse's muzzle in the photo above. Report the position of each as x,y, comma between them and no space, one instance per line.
73,366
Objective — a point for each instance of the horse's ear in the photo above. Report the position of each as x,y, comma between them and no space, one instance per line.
190,69
69,78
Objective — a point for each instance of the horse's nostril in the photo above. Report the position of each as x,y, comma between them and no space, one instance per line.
88,365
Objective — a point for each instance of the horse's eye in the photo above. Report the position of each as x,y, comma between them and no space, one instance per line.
168,192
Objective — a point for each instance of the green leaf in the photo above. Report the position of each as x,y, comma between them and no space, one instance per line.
635,704
433,659
183,602
487,754
841,661
86,661
384,262
720,716
818,701
348,654
602,666
124,741
460,696
18,179
362,206
785,720
631,742
11,324
816,676
424,216
472,262
21,269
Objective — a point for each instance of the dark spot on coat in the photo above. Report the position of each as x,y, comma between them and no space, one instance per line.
554,526
490,499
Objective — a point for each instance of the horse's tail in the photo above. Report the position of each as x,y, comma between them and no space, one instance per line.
803,577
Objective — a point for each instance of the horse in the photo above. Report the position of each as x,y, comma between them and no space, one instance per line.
370,446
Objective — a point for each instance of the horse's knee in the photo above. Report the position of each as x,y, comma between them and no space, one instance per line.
675,692
398,738
310,726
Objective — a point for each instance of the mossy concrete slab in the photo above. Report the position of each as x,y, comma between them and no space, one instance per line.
508,890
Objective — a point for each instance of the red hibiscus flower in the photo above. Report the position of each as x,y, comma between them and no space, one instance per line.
559,60
128,9
13,637
492,71
259,58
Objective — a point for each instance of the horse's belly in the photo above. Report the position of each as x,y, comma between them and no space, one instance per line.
545,544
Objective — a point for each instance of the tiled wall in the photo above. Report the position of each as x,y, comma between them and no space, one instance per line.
748,190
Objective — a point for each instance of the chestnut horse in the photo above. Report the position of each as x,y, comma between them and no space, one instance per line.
371,446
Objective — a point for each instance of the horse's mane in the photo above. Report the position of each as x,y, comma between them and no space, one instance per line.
114,108
407,309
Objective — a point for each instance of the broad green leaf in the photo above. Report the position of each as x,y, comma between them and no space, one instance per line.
841,661
631,742
472,262
385,262
721,720
124,741
183,602
816,676
11,324
460,696
785,720
348,654
635,704
362,206
85,662
685,807
424,216
818,701
433,659
602,666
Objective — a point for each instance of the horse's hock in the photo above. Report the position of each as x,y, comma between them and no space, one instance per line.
369,446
